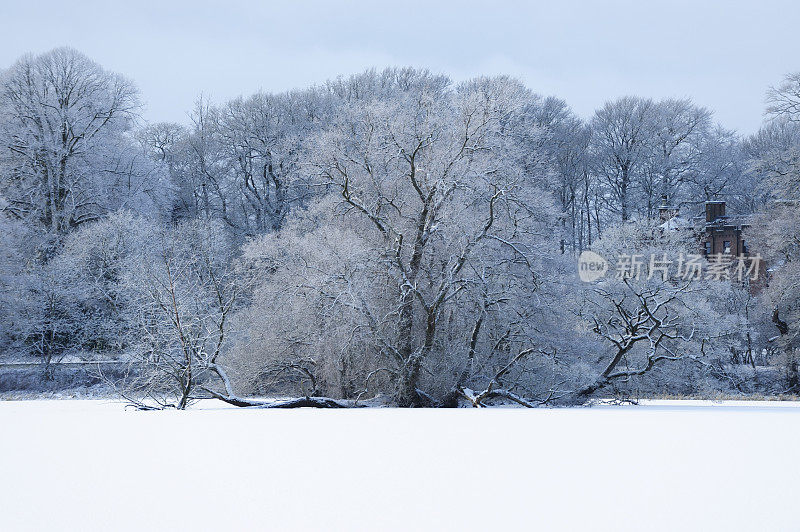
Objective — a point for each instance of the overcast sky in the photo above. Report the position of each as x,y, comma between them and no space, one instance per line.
724,55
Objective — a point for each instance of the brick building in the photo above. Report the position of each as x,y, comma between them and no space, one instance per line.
718,233
723,233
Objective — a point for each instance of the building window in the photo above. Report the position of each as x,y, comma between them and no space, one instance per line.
744,248
726,246
708,248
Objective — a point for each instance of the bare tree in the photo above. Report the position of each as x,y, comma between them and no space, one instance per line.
678,138
783,101
645,326
621,131
55,110
184,295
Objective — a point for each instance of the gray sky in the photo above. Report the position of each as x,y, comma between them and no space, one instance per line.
724,55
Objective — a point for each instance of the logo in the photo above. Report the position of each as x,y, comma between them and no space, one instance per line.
591,266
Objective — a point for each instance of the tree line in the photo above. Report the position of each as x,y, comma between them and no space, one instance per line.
392,235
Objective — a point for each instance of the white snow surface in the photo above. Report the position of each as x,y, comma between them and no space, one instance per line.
93,465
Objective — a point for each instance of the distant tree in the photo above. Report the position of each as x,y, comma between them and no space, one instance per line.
264,137
678,132
783,101
554,145
720,172
621,133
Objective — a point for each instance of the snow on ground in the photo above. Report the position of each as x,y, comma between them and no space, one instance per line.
92,465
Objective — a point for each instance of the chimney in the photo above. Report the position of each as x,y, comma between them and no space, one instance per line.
665,211
714,210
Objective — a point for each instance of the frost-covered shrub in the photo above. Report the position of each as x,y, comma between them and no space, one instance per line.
90,272
319,313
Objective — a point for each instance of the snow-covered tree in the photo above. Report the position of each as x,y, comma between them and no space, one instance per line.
775,162
621,133
423,186
61,116
182,293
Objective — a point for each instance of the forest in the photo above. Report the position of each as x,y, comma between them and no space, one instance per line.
391,238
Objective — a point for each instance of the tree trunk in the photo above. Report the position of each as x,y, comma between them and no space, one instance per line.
407,394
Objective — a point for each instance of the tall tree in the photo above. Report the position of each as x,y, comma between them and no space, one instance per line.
621,130
678,131
426,176
55,110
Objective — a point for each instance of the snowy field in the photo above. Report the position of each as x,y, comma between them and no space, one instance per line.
92,465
